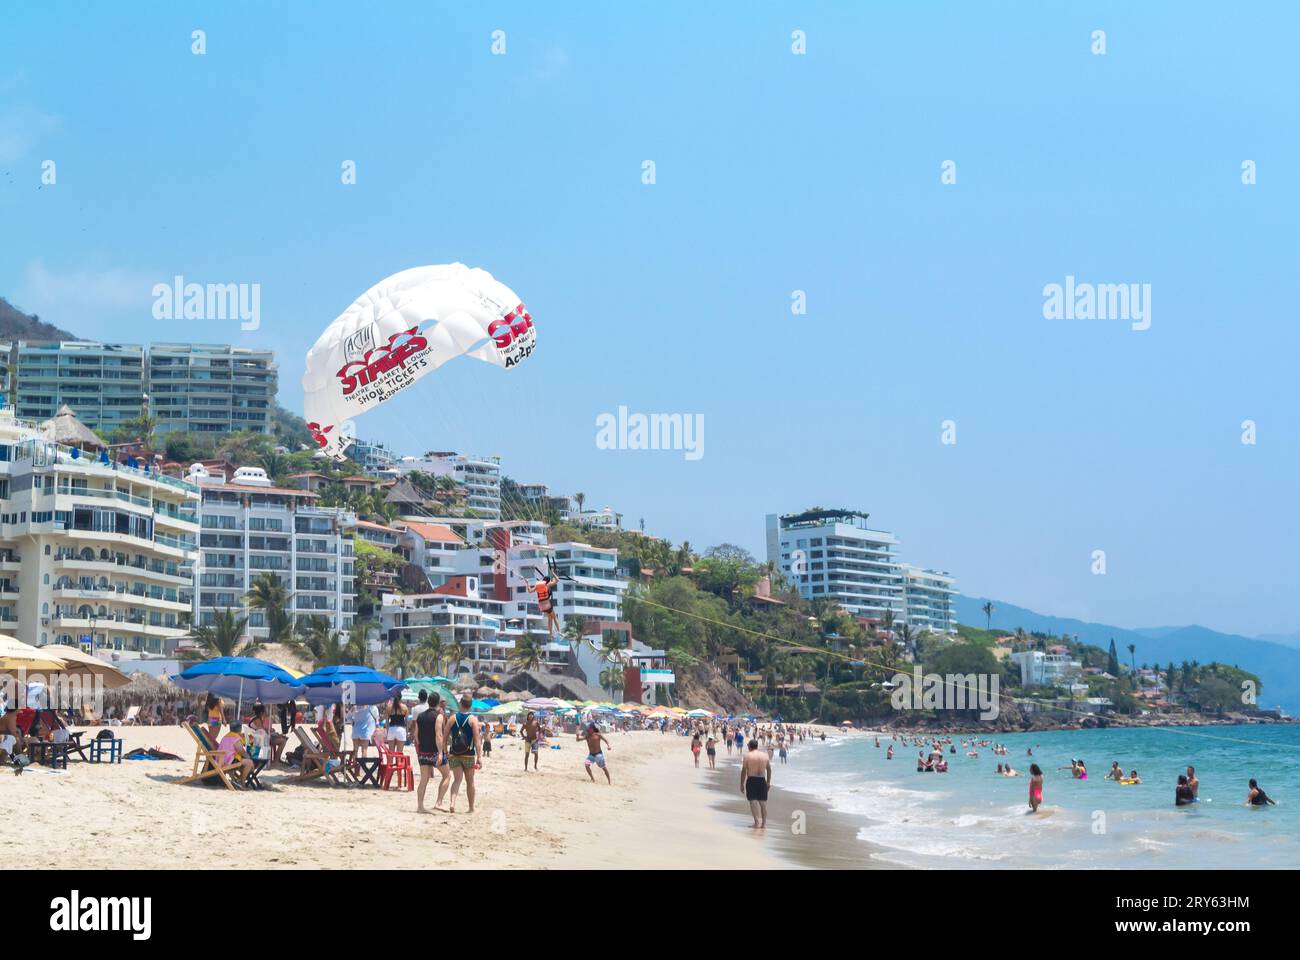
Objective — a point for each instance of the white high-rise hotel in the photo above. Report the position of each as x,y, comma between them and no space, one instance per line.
90,552
833,554
250,527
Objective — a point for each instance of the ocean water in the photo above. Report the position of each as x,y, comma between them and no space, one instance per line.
972,817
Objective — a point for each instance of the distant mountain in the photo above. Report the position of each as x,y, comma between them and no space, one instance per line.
16,325
1285,639
1276,664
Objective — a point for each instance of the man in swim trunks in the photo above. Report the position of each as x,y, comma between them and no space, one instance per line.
594,739
431,751
1194,784
532,740
755,780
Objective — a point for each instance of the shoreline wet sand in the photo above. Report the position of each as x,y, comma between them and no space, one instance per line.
820,838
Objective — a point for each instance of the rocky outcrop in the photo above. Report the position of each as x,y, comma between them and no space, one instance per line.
704,686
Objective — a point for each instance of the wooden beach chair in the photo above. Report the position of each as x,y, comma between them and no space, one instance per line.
207,760
330,747
315,761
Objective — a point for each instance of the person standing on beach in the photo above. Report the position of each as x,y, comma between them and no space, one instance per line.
532,740
755,781
1035,787
594,739
711,748
431,752
465,749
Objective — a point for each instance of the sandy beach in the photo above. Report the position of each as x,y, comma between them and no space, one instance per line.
660,812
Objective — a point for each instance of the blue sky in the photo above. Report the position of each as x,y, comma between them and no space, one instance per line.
775,173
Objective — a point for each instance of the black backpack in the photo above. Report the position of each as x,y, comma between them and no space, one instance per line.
462,736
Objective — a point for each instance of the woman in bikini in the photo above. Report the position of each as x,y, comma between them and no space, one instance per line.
1035,787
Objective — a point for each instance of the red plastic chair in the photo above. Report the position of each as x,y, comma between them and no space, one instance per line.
393,763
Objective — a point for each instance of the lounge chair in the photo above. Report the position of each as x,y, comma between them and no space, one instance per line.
207,759
330,747
315,761
131,713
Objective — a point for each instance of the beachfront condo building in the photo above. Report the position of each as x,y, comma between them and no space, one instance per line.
477,632
928,599
211,388
372,457
249,527
834,555
91,553
479,478
198,388
104,383
1047,669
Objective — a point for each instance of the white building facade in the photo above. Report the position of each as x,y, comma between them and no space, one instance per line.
91,554
250,527
928,599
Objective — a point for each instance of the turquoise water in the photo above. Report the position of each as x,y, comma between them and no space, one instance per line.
971,816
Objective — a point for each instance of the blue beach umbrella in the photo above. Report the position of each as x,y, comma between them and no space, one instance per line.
368,686
240,677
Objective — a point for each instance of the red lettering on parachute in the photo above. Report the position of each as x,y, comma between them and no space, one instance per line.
380,360
518,320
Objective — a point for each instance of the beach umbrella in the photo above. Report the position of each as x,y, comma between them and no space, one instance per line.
366,685
240,677
479,706
541,703
504,710
80,663
16,655
699,714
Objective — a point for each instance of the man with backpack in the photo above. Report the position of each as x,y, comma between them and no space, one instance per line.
465,751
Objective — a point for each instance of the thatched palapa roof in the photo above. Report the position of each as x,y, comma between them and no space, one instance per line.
64,428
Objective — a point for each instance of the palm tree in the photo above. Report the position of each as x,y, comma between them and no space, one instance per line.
909,635
455,653
573,634
527,654
268,594
225,636
357,646
611,680
314,638
1132,649
580,499
429,653
988,614
399,657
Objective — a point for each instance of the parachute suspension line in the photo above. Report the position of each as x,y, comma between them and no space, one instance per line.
826,651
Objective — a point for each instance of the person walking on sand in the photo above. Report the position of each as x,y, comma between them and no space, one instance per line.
594,739
1035,787
711,748
431,752
755,781
695,750
532,740
465,752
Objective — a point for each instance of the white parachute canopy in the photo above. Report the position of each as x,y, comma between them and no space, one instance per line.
404,328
